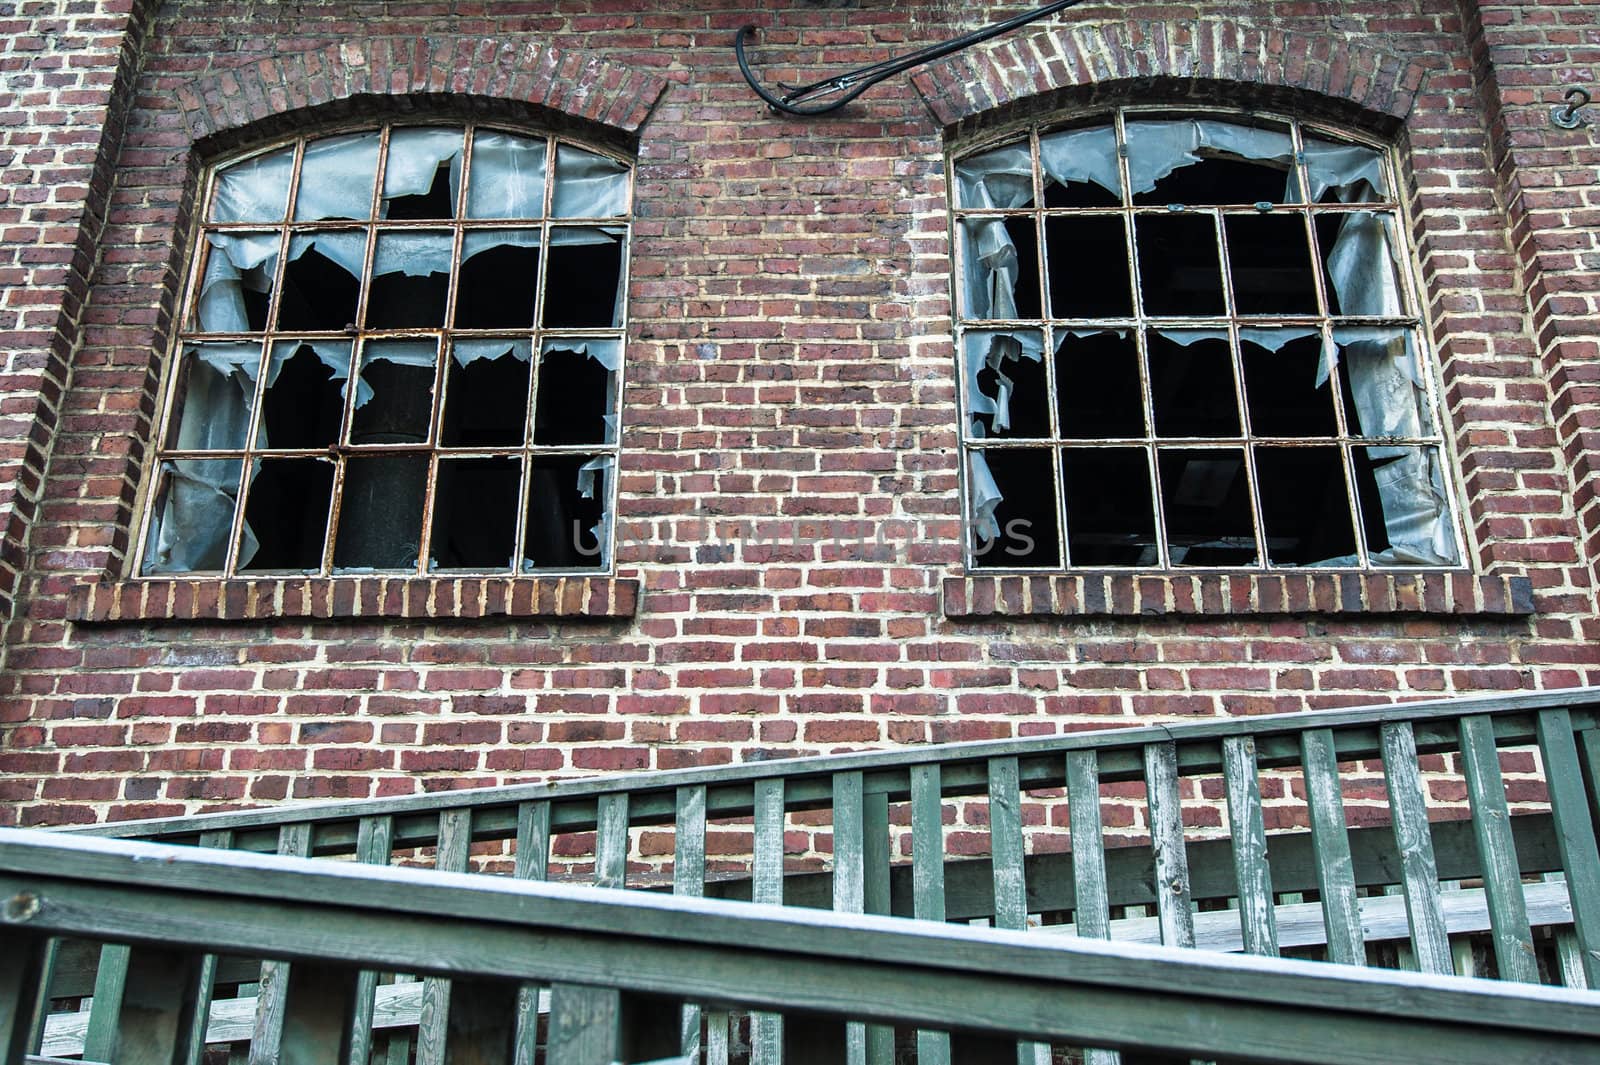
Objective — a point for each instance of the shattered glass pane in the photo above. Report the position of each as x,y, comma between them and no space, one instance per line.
236,282
254,189
1404,511
422,174
380,515
1097,385
475,509
1382,382
410,281
577,393
394,397
217,396
589,185
486,396
499,279
507,178
336,178
1191,383
1283,387
1358,262
321,282
192,516
286,510
567,497
304,402
583,282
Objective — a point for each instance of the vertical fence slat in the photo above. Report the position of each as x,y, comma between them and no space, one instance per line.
1330,843
850,880
374,839
1574,833
1091,907
1257,919
1007,856
689,880
433,1030
532,863
875,879
23,986
585,1026
1413,838
1502,878
110,980
611,841
766,1029
205,982
927,881
1166,838
294,841
34,1038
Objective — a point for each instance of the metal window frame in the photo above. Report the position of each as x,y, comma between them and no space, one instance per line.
1413,322
174,383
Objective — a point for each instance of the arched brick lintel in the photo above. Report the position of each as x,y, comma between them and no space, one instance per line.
606,96
1066,65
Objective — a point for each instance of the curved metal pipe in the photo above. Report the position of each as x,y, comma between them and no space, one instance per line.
855,82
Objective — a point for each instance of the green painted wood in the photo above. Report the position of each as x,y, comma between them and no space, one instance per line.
766,1029
1569,807
1091,910
1249,834
482,1023
1502,878
105,1015
1413,837
41,1007
373,845
717,1022
294,841
611,842
533,841
585,1026
927,889
1569,959
398,1050
158,1007
210,965
22,986
1173,893
849,881
876,858
433,1032
318,1015
1007,850
1336,882
689,881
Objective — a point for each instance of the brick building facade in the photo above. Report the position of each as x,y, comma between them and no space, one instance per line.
790,566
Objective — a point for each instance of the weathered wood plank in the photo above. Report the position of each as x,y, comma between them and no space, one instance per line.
318,1016
482,1022
41,1005
766,1029
849,881
927,874
532,863
1173,894
1502,879
1092,910
373,846
689,881
206,981
22,984
294,841
1249,835
585,1026
1413,837
611,842
156,1010
1331,842
1006,851
105,1014
1569,806
875,882
455,848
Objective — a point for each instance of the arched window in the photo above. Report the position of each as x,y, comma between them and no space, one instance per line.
399,352
1192,341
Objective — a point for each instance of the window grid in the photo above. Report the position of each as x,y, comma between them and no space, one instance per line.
458,225
1140,325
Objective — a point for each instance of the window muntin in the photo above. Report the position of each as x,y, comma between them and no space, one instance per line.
476,304
1190,342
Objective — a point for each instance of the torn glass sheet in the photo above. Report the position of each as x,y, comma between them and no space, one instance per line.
322,281
399,406
336,178
988,360
303,405
286,512
1098,392
1076,158
475,508
1305,505
380,516
1002,178
1002,268
577,392
1205,499
507,179
254,189
588,185
1383,385
486,394
583,281
410,282
236,288
218,393
566,514
1410,525
193,515
1156,150
422,176
1015,521
1344,173
1110,514
1360,264
499,279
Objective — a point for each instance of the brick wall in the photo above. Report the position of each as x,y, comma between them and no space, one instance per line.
789,570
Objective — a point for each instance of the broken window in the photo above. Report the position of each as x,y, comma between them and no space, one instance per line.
1189,341
401,352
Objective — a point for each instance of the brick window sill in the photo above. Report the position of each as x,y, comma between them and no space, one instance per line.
1248,594
353,598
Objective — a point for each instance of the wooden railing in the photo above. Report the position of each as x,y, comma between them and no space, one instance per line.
621,969
1398,845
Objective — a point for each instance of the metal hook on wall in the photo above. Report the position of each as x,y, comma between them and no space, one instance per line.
855,82
1570,115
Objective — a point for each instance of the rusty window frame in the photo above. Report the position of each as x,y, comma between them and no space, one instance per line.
1141,325
458,226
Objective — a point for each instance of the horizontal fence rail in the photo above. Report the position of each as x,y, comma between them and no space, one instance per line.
1453,836
614,963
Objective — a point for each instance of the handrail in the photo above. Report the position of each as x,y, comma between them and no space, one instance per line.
177,905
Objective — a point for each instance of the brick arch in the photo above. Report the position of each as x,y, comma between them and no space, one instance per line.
1084,63
601,93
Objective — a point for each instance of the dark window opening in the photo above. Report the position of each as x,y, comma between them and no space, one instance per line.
1027,293
486,402
399,407
1270,259
1088,266
318,295
1078,194
287,514
1097,385
582,280
574,399
1179,269
1029,400
1110,515
303,406
1305,510
435,203
380,515
497,289
563,526
475,513
1219,181
1191,387
1281,389
1205,497
1028,534
400,301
